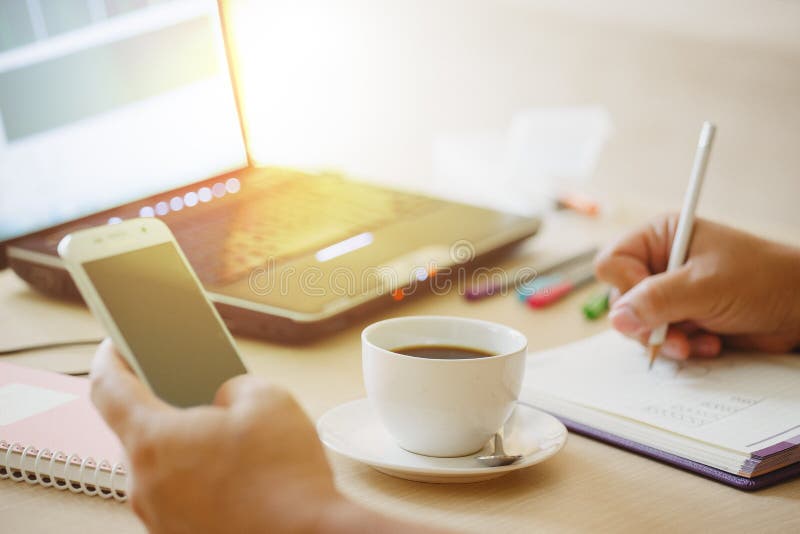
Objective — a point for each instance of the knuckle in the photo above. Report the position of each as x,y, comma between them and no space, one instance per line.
702,273
266,391
601,262
608,266
274,399
665,219
256,398
278,394
655,297
280,398
662,226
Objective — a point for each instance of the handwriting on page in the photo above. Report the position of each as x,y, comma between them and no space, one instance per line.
743,402
674,398
702,412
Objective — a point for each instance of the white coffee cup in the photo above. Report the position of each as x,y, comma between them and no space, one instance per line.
442,407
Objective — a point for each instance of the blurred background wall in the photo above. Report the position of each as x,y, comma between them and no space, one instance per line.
369,86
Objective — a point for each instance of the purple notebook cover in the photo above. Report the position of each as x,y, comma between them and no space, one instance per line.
736,481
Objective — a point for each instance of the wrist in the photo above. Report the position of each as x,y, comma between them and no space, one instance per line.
789,284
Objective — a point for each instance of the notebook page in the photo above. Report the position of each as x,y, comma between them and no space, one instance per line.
748,403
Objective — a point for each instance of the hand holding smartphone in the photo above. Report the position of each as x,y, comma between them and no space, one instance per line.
138,283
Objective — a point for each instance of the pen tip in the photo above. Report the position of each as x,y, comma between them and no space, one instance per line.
653,354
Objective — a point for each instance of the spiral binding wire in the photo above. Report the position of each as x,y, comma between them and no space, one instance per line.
45,475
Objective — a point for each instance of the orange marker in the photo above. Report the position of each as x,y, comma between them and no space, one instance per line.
580,203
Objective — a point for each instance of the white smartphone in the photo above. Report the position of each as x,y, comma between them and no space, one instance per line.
137,282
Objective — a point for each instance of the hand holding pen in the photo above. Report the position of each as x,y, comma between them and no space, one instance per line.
736,289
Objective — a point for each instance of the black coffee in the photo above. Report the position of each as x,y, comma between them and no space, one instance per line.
443,352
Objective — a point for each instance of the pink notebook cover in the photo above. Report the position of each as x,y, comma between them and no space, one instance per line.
53,411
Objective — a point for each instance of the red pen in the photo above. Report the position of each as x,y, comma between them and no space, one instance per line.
526,274
550,294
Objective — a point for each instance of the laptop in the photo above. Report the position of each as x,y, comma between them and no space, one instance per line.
130,109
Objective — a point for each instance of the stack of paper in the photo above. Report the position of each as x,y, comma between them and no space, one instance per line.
739,413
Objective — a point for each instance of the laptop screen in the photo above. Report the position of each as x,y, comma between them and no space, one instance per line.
106,101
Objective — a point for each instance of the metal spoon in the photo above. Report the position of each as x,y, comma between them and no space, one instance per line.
498,457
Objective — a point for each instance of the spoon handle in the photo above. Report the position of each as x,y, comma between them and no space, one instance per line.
498,444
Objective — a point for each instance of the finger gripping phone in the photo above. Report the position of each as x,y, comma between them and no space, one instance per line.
137,282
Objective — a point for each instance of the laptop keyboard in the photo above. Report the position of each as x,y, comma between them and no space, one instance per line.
279,216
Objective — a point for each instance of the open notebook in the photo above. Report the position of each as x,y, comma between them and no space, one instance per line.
735,419
50,434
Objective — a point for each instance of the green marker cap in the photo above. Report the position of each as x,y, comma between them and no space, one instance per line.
596,306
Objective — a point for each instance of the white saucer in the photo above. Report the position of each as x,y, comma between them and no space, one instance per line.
353,430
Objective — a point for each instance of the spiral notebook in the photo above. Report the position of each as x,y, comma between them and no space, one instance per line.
734,419
51,434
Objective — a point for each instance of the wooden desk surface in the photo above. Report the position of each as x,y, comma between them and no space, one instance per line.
587,486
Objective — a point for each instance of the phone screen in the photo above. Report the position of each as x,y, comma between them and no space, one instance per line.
177,340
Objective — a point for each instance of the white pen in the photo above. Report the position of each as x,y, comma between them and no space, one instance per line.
683,234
